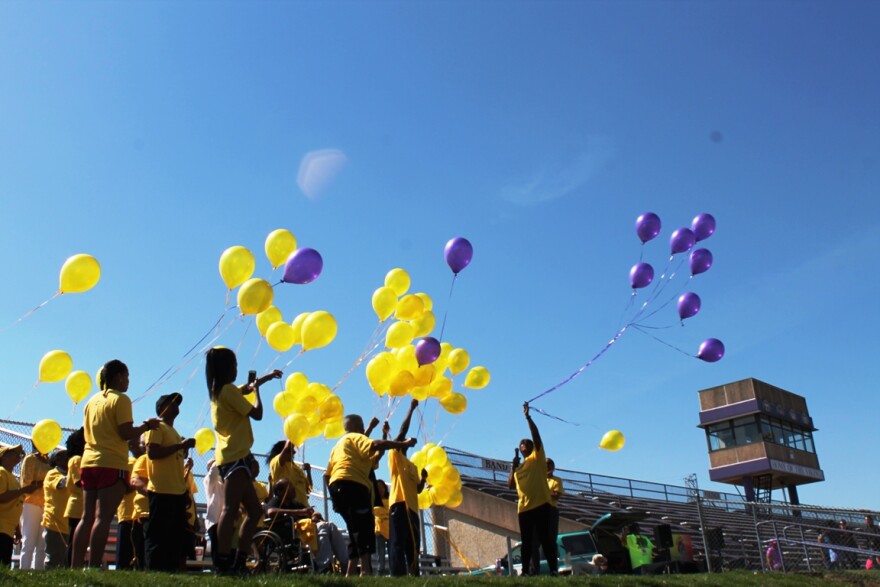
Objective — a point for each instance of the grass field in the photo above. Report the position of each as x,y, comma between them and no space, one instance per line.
732,579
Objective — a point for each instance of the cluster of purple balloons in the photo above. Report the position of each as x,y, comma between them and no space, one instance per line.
303,266
700,260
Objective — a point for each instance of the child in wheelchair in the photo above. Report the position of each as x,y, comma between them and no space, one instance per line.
288,535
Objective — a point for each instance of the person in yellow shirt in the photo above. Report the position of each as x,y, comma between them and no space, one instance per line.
104,476
533,507
124,522
166,488
231,415
192,518
261,490
33,547
406,484
140,478
11,499
76,444
380,515
56,493
554,484
348,477
282,466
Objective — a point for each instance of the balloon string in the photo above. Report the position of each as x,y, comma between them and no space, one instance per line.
448,302
670,300
584,367
208,333
448,432
31,312
627,308
290,362
21,402
257,352
543,413
243,335
372,345
664,342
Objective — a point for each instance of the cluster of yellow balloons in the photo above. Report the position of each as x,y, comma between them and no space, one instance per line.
79,273
308,409
397,371
58,365
312,330
613,440
46,436
444,480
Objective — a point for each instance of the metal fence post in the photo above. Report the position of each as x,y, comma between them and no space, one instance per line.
326,498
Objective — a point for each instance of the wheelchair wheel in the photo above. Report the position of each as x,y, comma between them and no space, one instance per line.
267,553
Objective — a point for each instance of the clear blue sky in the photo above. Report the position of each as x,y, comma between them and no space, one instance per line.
154,135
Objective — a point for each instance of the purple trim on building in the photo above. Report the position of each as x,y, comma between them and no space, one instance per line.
747,468
729,412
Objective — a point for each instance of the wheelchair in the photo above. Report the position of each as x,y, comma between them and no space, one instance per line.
277,549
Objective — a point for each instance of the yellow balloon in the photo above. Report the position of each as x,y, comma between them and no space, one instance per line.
440,387
426,300
409,308
306,404
425,500
319,391
398,280
297,325
420,392
204,440
458,361
255,296
334,429
379,372
237,264
296,428
280,336
424,375
331,408
55,366
316,426
401,383
424,324
399,335
441,494
420,459
455,499
46,436
267,318
437,457
405,358
435,473
279,245
613,440
296,383
78,385
477,378
318,330
384,302
451,475
445,349
284,403
454,403
78,274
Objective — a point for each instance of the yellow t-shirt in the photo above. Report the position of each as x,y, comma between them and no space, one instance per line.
125,511
75,503
263,496
55,502
554,484
104,413
165,475
294,474
381,515
191,489
531,482
10,511
232,423
141,502
351,459
33,468
404,480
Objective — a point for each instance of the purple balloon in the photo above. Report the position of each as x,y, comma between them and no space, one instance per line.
703,226
711,350
303,266
689,305
682,240
641,275
427,350
700,261
458,253
647,226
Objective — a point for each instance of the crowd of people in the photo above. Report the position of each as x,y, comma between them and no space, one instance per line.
63,503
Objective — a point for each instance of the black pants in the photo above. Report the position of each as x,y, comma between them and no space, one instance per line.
534,526
351,500
164,532
72,523
554,522
124,547
5,550
405,540
212,538
56,550
137,541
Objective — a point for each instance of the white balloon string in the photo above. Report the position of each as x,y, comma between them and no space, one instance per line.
32,311
448,304
687,354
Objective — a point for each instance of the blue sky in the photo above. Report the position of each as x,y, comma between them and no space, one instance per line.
155,135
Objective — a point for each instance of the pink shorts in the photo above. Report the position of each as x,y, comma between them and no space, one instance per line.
95,478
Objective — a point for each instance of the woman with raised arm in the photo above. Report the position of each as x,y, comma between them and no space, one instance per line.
406,484
231,414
